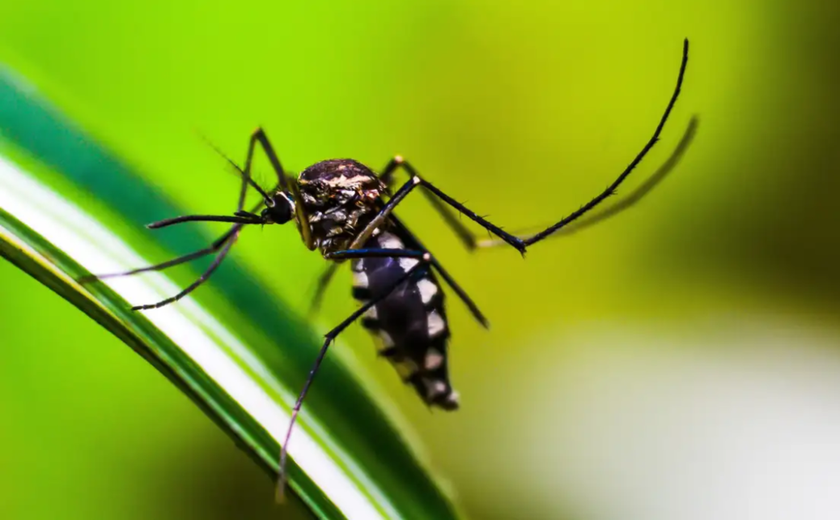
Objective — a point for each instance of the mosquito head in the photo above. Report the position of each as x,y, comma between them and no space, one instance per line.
281,209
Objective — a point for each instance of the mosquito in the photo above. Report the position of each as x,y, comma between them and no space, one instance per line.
345,210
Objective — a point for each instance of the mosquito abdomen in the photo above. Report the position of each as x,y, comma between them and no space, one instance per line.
410,325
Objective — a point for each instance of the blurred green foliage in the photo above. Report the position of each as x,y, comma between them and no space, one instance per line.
524,111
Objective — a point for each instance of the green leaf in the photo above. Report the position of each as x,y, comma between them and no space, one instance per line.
69,207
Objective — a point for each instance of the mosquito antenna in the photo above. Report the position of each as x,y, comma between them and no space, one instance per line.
268,200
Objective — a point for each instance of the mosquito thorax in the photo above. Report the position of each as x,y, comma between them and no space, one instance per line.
339,197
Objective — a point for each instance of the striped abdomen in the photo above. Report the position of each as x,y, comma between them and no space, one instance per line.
410,324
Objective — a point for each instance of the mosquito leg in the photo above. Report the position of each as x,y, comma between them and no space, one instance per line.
520,244
612,187
327,275
347,254
460,230
215,246
258,136
330,337
417,253
222,244
193,286
626,202
462,295
414,243
288,185
412,183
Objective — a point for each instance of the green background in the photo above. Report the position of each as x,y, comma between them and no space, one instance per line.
524,111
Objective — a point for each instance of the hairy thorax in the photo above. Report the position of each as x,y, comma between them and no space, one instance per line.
340,197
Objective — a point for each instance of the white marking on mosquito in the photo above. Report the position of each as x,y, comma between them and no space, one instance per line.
387,341
434,388
371,313
360,280
408,263
389,241
434,359
453,397
428,289
348,182
358,265
435,323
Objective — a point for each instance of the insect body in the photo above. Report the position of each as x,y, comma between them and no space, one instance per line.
346,211
342,196
410,324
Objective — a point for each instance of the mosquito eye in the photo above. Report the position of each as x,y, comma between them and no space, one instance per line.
281,211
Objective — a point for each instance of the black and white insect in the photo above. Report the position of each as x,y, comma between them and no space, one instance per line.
346,211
